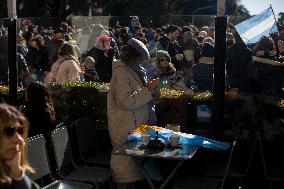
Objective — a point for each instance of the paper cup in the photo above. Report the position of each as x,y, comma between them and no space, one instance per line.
174,139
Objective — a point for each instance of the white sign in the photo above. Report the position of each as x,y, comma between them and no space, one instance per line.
12,8
221,7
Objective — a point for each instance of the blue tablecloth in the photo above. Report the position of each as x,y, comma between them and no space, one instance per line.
184,139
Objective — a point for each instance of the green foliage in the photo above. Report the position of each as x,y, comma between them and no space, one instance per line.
76,99
97,85
4,93
4,90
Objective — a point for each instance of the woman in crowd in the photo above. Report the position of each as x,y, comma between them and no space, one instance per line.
103,54
128,106
13,150
66,68
164,68
39,111
167,73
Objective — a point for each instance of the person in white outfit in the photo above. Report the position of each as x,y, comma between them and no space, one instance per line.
128,106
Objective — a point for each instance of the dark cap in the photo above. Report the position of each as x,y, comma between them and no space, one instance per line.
58,30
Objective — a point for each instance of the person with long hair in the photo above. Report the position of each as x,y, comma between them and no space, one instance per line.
13,150
67,66
39,109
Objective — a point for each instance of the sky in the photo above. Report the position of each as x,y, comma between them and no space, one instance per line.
257,6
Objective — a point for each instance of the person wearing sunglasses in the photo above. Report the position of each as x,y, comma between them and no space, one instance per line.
13,150
166,71
164,67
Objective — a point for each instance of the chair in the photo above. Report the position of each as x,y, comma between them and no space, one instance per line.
67,185
38,158
86,134
239,160
67,170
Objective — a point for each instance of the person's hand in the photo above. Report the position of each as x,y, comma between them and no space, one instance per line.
179,57
153,84
83,68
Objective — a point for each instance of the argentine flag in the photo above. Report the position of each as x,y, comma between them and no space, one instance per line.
254,28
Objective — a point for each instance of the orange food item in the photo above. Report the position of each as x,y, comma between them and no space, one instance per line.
143,129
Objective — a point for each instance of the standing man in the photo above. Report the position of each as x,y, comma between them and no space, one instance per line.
238,60
169,43
57,35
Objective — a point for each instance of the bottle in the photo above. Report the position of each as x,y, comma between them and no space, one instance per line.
157,135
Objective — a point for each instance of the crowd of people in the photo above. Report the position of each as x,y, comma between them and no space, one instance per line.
184,54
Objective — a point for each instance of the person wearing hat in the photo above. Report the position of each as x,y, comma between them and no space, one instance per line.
164,67
103,55
129,105
167,73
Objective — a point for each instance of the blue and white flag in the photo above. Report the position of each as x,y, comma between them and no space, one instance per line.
254,28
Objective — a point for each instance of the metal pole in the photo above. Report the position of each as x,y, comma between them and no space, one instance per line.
12,61
12,52
219,73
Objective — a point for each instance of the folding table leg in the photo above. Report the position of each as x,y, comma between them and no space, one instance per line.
146,175
173,172
166,181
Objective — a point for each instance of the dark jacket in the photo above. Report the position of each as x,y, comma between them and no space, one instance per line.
24,183
37,58
203,70
173,48
269,75
238,65
40,120
91,75
203,74
103,64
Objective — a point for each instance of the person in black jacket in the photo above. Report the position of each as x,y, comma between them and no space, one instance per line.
238,64
103,54
169,43
37,59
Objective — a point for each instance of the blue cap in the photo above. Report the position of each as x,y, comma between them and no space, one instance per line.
140,47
